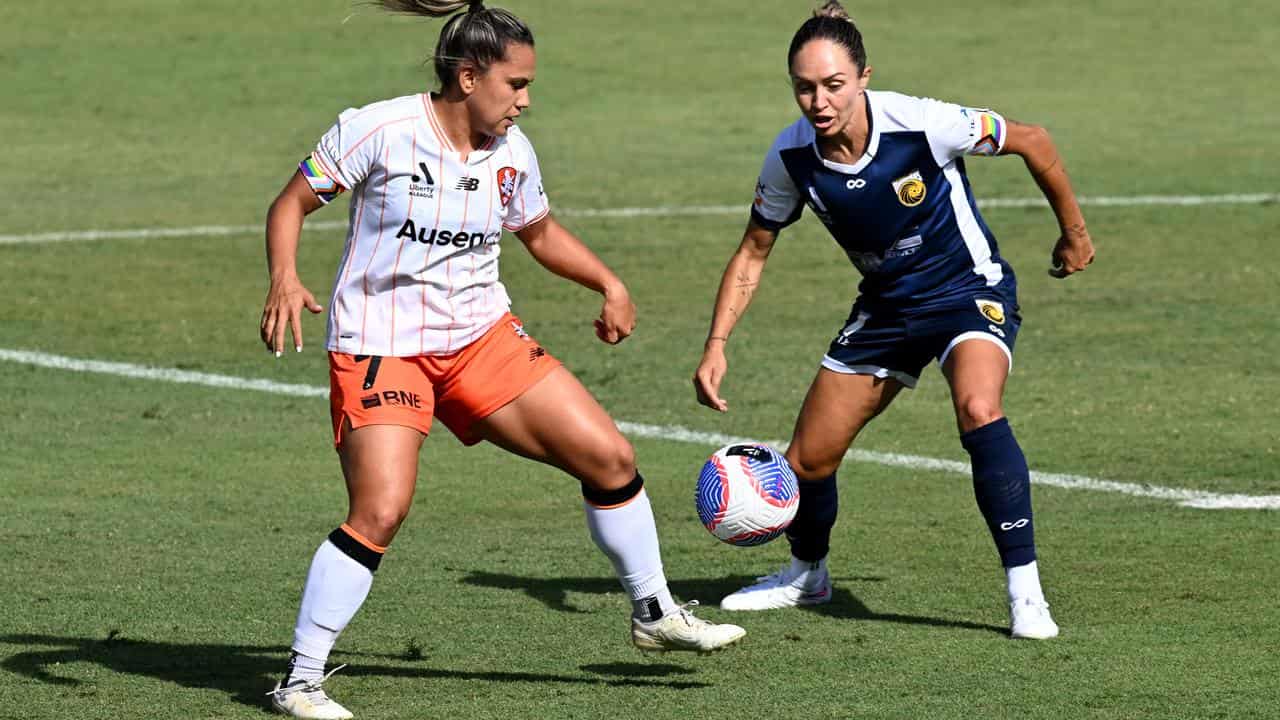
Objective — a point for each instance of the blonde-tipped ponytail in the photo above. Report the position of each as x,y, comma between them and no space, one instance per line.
430,8
833,9
478,37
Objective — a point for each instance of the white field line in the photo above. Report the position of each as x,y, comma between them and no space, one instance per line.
1186,498
625,212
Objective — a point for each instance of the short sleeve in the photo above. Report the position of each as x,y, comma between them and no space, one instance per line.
521,189
954,130
344,156
777,203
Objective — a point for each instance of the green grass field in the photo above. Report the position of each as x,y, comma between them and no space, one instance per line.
157,534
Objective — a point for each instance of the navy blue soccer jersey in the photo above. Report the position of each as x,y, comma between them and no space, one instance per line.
904,213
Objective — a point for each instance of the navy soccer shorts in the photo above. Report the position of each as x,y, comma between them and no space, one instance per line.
899,345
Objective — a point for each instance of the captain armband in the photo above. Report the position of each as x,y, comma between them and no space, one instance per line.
325,187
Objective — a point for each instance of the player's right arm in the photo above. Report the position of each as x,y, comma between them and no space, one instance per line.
342,160
287,295
737,287
777,204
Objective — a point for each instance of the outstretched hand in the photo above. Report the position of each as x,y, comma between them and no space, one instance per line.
283,307
617,318
1072,253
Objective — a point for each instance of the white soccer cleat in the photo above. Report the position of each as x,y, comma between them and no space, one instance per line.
680,630
1030,619
783,589
308,700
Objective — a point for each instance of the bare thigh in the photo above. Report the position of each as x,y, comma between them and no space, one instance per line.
380,463
976,370
559,423
836,409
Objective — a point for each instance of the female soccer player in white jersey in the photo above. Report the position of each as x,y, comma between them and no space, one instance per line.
420,326
885,174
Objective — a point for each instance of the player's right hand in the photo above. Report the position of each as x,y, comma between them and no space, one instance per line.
283,307
1072,253
711,371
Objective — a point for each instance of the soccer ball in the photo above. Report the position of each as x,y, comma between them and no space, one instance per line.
747,494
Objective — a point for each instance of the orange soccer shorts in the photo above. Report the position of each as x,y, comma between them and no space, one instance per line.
460,388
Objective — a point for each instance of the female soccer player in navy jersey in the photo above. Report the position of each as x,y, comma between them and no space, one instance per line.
420,326
885,174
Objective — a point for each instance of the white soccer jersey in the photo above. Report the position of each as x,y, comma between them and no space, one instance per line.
419,271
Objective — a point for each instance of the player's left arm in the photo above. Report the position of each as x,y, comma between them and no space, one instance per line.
1074,249
558,250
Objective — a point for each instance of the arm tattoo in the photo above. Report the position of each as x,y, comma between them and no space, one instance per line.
1045,171
1035,172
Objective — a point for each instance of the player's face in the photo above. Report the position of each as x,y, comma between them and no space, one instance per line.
828,86
498,96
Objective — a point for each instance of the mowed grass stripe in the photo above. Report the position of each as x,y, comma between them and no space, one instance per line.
631,212
1185,497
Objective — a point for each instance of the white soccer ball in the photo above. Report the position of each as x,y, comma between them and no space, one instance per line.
747,494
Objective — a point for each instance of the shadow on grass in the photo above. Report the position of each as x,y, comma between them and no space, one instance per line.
553,592
247,672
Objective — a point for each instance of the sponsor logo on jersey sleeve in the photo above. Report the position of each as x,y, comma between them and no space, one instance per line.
910,189
507,185
992,311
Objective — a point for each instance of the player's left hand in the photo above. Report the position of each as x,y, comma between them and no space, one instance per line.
1072,253
617,318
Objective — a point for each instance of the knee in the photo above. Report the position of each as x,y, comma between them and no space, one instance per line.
974,412
379,523
613,465
808,469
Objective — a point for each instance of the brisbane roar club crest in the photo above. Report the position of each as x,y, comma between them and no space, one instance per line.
992,311
910,189
506,184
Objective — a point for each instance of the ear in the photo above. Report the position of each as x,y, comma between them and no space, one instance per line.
468,78
865,77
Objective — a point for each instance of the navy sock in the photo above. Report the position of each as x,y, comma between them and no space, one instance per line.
1002,484
810,531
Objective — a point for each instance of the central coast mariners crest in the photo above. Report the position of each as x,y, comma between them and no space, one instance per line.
506,184
991,310
910,189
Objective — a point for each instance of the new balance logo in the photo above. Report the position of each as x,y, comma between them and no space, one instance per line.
469,184
536,353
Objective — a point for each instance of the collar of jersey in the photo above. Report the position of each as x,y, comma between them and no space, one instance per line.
474,157
877,122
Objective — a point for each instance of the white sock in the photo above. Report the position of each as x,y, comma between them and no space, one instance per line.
303,668
806,572
629,537
1024,582
336,588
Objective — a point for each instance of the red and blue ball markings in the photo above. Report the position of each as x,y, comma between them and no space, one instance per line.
768,476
